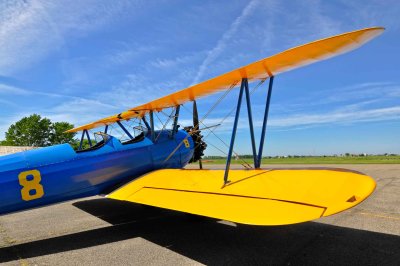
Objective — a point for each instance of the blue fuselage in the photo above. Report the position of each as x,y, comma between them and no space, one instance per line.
58,173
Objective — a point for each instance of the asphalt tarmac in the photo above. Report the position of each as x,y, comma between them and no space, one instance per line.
99,231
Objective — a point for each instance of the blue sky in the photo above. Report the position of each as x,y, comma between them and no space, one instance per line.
78,61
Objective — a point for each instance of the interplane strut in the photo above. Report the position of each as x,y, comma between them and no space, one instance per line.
244,87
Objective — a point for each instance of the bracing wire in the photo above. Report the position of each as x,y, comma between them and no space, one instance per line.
211,130
166,123
245,164
218,101
233,109
121,133
205,116
208,113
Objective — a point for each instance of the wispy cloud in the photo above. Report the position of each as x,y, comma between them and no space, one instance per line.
364,102
222,42
351,96
267,36
142,86
9,103
342,117
165,63
26,34
65,108
319,22
31,30
6,89
366,90
373,13
126,54
80,111
307,120
12,90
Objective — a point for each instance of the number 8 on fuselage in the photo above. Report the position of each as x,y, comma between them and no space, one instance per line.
30,183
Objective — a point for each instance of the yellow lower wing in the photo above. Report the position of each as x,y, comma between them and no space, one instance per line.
258,197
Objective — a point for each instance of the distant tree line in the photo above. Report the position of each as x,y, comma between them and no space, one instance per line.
36,131
247,156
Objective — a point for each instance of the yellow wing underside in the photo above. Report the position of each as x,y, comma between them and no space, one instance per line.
257,197
290,59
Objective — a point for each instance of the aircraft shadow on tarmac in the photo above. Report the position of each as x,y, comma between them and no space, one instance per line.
212,243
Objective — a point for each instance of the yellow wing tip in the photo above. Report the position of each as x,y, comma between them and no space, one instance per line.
363,191
379,29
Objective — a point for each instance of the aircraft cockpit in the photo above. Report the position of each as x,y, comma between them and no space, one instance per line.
138,134
100,139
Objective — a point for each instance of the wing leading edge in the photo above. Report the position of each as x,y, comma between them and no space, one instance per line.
290,59
257,197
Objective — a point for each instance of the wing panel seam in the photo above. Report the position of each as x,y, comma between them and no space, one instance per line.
235,195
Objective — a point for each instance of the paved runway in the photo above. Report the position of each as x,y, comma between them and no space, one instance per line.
98,231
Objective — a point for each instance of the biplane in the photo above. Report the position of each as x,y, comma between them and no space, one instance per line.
148,167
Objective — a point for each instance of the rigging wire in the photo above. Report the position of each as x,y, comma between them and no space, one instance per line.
218,101
166,123
211,130
233,109
245,164
209,111
208,128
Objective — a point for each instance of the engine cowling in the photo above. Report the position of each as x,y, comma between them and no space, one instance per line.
199,144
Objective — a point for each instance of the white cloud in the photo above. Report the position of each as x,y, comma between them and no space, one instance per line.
9,103
137,89
352,97
165,63
318,21
342,117
31,30
12,90
222,42
127,54
77,110
74,110
373,13
5,89
365,102
273,32
80,111
305,120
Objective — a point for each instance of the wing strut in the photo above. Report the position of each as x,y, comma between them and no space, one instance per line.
228,160
88,137
264,126
85,132
152,126
253,142
82,137
124,129
145,123
257,158
175,124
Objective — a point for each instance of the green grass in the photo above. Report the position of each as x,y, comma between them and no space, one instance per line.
373,159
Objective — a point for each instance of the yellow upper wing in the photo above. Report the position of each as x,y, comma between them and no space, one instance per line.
290,59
